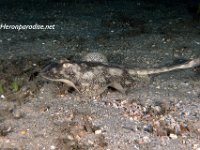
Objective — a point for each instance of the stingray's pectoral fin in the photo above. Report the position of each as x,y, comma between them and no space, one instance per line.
68,82
117,86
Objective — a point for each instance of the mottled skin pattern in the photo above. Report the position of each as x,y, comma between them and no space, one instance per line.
93,78
88,78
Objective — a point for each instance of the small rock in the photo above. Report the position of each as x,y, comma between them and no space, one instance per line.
173,136
23,132
157,108
196,146
70,137
158,87
98,132
148,128
17,114
3,97
52,147
146,139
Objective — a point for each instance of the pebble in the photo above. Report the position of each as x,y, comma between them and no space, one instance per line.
98,132
146,139
3,97
158,87
52,147
173,136
157,109
70,137
23,132
17,114
196,146
148,128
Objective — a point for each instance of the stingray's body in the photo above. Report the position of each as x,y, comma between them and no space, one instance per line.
93,78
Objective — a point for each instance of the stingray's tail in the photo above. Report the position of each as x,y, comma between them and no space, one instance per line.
190,64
